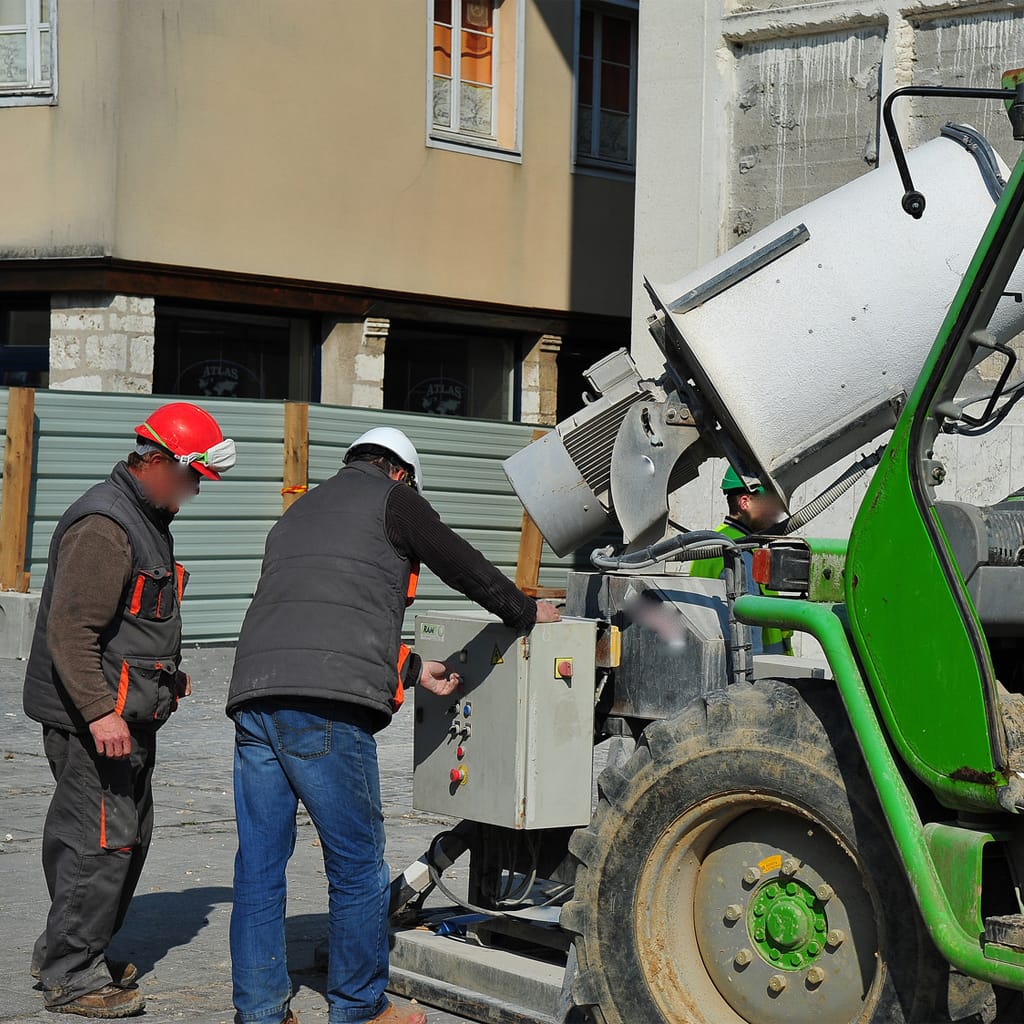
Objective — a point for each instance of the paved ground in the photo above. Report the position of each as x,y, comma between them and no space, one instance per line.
177,931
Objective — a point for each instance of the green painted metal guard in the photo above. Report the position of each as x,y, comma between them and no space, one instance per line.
944,917
918,646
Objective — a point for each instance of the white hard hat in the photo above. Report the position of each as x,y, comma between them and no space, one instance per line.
394,441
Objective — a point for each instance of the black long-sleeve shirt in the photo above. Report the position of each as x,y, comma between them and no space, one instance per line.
416,531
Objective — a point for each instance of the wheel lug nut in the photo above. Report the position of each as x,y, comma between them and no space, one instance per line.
733,912
824,892
835,937
752,876
743,957
776,983
815,976
790,866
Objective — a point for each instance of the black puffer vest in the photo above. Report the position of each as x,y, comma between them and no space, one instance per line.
326,620
141,649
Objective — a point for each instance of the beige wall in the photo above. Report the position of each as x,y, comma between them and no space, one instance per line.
58,168
289,139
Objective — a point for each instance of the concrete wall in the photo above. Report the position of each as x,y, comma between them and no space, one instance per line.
748,111
283,139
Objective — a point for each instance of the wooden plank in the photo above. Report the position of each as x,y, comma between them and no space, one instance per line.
295,474
531,543
17,484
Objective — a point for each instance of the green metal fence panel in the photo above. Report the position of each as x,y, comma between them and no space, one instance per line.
220,536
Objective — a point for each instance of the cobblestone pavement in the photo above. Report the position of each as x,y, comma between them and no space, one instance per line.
177,930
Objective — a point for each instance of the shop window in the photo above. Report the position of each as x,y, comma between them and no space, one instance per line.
448,373
25,347
213,355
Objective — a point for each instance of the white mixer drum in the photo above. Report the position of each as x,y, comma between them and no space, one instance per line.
806,337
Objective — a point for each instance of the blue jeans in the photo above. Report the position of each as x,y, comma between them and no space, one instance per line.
325,755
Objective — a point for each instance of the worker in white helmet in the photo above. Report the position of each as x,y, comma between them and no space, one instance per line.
320,668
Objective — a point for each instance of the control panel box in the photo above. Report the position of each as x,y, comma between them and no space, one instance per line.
514,745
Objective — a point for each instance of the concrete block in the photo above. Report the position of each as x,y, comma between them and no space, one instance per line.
17,622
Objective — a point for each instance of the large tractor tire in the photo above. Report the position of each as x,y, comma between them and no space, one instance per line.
738,871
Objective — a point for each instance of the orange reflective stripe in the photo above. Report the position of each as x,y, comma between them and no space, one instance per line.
399,698
122,689
414,582
136,601
103,824
179,572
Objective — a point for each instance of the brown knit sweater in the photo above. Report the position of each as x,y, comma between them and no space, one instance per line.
94,565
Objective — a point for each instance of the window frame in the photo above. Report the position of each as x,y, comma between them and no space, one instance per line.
588,163
452,139
35,93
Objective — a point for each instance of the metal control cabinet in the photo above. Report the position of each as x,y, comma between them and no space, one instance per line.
514,746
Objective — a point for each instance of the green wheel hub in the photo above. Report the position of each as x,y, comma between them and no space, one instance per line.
787,924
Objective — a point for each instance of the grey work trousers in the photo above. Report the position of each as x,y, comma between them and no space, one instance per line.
95,841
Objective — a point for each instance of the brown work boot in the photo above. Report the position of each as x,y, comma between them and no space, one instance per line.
122,974
393,1015
109,1002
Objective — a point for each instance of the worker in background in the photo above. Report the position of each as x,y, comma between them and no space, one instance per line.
317,673
103,675
750,512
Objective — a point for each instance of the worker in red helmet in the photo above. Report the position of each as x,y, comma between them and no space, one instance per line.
102,677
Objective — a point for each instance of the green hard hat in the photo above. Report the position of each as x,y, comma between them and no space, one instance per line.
732,482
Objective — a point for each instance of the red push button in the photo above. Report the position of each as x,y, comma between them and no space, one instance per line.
459,775
564,668
460,753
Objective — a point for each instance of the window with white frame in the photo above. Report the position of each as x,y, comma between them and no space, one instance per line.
606,86
26,49
474,72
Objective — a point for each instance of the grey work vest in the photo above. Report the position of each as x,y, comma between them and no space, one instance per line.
141,648
326,620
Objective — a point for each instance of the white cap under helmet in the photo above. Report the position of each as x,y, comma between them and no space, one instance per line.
394,441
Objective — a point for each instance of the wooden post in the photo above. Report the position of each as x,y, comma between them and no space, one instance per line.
18,450
531,544
295,474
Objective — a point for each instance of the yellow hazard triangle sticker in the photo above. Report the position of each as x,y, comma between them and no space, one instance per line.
496,658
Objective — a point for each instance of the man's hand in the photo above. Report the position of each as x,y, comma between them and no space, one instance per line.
111,736
436,678
547,612
183,685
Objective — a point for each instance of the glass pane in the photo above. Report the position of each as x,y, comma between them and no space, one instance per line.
615,35
584,120
477,53
614,142
475,109
443,11
443,102
13,52
586,33
44,11
586,82
44,55
614,88
12,12
478,14
442,50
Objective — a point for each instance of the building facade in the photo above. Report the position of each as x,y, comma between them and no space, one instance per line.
425,206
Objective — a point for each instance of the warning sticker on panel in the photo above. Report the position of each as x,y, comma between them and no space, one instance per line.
496,658
772,863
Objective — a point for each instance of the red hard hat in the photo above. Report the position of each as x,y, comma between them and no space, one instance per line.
188,433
